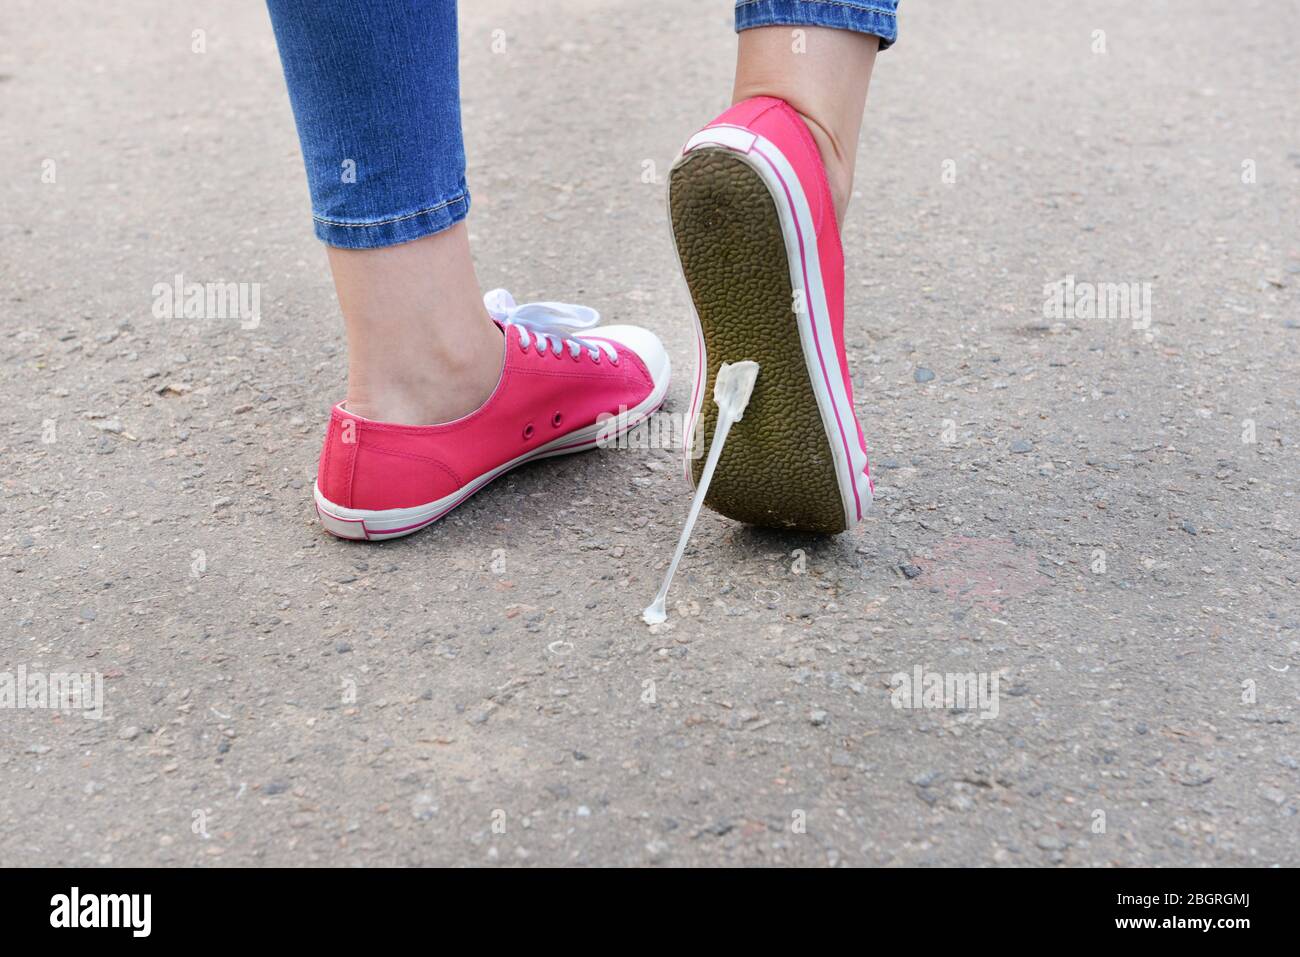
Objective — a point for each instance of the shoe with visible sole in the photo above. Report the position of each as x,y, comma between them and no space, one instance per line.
754,226
558,393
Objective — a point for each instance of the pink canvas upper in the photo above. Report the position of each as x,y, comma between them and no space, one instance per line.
540,398
776,121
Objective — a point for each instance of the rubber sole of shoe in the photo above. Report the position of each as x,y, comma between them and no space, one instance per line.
777,468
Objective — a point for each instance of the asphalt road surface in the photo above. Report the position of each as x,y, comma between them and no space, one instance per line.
1089,510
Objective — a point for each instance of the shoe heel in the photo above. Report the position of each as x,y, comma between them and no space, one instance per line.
354,529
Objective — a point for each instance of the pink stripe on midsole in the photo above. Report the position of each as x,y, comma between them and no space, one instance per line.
803,262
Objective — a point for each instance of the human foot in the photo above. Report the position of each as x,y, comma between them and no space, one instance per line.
755,230
824,77
565,385
837,162
436,382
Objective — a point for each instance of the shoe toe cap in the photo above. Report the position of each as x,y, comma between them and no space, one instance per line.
645,344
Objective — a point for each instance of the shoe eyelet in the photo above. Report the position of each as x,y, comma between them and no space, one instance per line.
528,431
556,420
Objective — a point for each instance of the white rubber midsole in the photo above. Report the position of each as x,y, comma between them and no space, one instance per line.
357,523
815,333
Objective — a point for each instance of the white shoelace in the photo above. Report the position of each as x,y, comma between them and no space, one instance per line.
550,324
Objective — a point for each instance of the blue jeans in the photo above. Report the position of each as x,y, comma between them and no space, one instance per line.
375,90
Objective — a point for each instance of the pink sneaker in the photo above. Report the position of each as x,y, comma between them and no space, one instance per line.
558,393
755,230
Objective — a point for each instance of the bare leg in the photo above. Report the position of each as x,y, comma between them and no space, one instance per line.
421,348
827,84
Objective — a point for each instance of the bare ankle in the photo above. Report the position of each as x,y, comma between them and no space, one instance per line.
825,80
839,166
423,385
421,347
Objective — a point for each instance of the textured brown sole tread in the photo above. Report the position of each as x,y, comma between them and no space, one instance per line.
777,468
